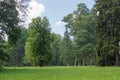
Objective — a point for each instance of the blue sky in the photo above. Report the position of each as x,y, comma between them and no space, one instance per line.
55,10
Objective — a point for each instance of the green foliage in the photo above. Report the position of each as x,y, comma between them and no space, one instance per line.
14,35
67,55
56,48
108,32
88,52
60,73
37,49
16,51
8,25
8,16
4,57
81,25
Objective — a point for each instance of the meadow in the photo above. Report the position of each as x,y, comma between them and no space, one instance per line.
60,73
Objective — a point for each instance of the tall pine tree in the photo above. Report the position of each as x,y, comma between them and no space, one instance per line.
81,26
67,55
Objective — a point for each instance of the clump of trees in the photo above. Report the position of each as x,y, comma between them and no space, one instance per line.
91,37
81,27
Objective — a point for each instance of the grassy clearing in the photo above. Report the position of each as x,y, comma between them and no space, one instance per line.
60,73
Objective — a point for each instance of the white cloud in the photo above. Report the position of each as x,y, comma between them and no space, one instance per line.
58,27
59,23
35,9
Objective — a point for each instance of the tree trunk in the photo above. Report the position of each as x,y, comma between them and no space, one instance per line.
83,63
41,63
117,58
75,63
117,62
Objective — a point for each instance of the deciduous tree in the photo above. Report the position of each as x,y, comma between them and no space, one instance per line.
37,49
108,31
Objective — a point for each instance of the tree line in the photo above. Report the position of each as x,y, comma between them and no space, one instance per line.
91,37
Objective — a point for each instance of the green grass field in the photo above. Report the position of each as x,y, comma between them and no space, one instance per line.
60,73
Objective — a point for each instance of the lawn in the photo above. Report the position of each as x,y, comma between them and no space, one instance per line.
60,73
